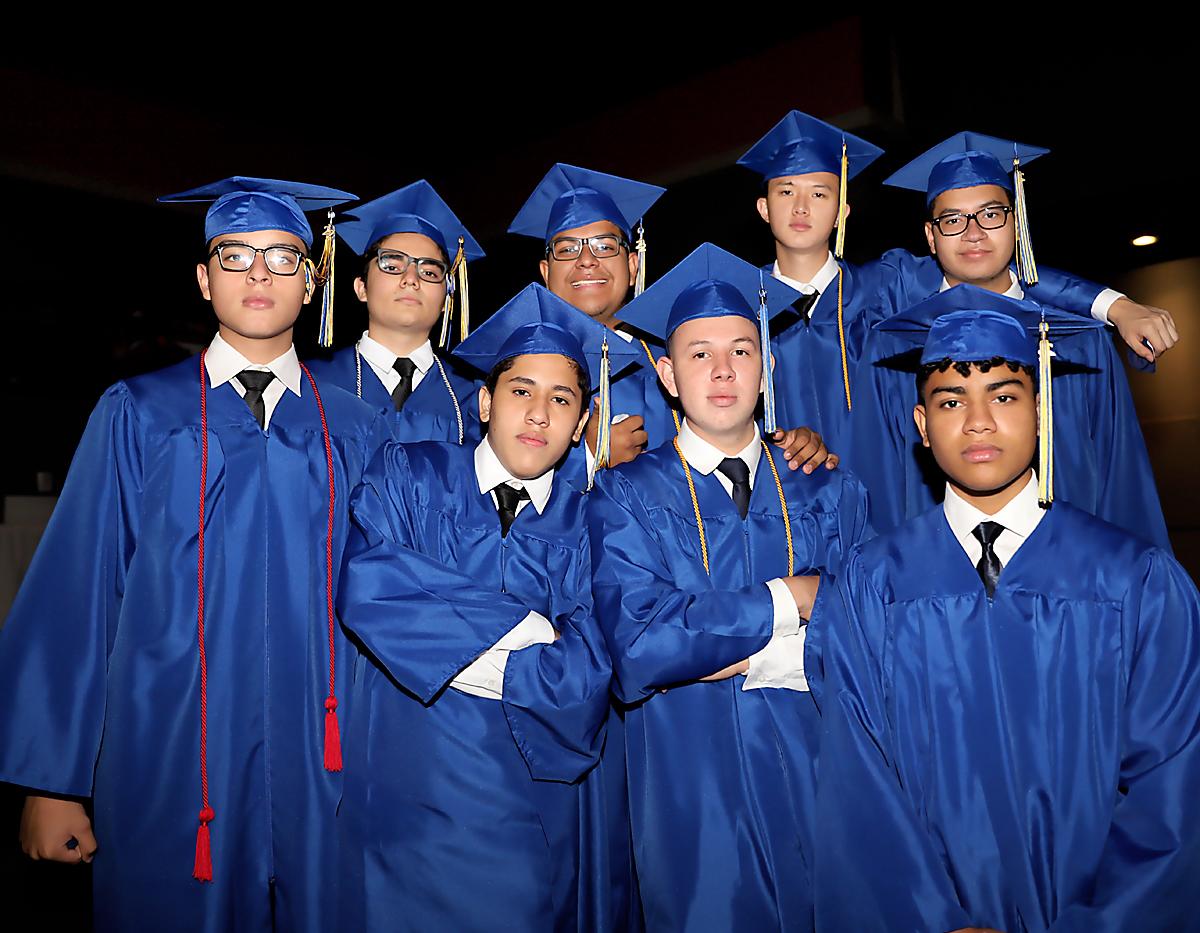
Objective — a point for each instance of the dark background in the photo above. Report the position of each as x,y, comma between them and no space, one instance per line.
98,279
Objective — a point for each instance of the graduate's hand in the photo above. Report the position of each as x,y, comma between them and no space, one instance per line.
1135,323
627,441
804,592
48,825
804,449
725,673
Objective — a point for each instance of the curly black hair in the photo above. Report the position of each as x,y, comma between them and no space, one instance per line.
964,367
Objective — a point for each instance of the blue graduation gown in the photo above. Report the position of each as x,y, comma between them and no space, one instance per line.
464,813
99,668
810,388
1023,763
1100,457
432,413
721,780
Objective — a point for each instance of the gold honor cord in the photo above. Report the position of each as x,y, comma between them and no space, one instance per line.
787,521
1045,419
650,356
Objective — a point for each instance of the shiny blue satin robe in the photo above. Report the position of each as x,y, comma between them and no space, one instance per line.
722,780
1025,763
434,412
99,667
464,813
810,388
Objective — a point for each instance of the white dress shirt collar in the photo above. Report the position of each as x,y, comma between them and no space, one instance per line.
1014,289
821,281
384,359
223,362
1019,518
704,458
490,473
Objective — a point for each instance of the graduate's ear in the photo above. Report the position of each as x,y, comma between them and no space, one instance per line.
360,289
202,280
919,418
929,238
544,268
633,267
666,372
579,428
485,404
847,214
763,211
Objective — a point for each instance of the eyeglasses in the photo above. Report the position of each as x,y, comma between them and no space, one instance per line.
602,246
988,218
238,257
394,262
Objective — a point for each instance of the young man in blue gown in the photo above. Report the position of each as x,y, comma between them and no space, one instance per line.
484,693
1010,688
700,546
414,252
172,673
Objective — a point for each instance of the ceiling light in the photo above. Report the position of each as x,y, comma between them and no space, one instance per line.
1146,239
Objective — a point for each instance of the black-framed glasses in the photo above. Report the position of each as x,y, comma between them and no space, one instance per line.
238,257
394,262
988,218
570,248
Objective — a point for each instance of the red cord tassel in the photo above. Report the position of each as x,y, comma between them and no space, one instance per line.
202,871
333,737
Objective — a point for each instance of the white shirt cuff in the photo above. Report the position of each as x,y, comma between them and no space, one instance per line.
1103,302
484,677
781,662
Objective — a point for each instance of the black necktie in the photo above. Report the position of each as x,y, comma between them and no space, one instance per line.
507,500
798,312
739,474
989,565
405,367
254,381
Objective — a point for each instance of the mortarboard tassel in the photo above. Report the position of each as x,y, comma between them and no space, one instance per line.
464,297
839,244
768,377
1045,419
604,413
1026,267
325,277
447,310
639,284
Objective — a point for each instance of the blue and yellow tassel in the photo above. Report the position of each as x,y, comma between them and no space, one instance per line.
1045,419
1026,266
604,413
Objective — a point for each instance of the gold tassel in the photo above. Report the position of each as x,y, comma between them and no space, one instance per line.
456,280
604,413
842,341
464,296
639,284
324,275
1045,419
1026,267
839,244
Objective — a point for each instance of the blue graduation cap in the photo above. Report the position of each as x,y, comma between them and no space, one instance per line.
711,282
536,321
969,324
800,144
570,197
967,160
417,208
242,204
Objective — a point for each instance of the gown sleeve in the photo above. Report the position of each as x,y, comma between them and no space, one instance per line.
54,648
421,620
657,634
877,866
1146,876
556,696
